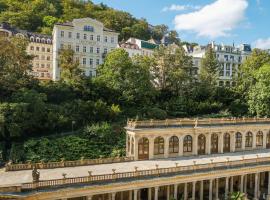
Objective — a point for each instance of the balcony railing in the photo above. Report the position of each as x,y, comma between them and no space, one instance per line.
183,122
143,173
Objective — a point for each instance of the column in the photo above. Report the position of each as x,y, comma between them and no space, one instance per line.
220,143
231,184
180,153
242,183
217,188
113,196
168,192
256,187
151,148
156,193
89,197
122,195
232,142
193,190
208,143
268,188
195,144
135,195
226,187
130,194
139,194
149,193
136,148
210,189
175,191
201,191
166,147
185,192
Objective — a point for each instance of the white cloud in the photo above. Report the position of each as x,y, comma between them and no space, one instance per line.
262,43
213,20
175,7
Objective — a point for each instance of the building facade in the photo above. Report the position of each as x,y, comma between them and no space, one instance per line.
89,39
197,159
40,47
131,49
229,57
147,47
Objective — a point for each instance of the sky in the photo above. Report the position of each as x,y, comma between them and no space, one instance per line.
203,21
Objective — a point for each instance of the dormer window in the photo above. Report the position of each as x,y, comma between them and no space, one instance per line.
32,39
88,28
37,40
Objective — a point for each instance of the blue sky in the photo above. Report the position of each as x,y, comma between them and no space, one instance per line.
201,21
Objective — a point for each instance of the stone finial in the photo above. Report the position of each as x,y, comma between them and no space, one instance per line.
228,159
35,175
243,157
212,160
64,175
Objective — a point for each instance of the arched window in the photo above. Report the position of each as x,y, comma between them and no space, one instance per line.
32,39
259,139
174,144
214,143
268,140
227,141
248,140
132,146
201,144
159,146
37,39
238,140
187,143
143,150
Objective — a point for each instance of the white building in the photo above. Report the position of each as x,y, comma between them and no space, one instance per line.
131,49
89,39
147,47
229,57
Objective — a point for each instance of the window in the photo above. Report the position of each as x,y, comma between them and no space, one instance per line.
105,50
158,146
91,62
37,48
228,69
69,34
69,46
42,65
42,57
248,139
48,50
88,28
97,62
42,74
221,70
98,38
37,64
112,39
62,46
43,49
84,49
226,144
214,143
174,144
105,39
238,140
77,60
62,33
48,58
268,140
84,61
188,144
226,57
221,83
91,37
32,48
259,139
91,49
201,144
78,35
77,48
84,36
98,50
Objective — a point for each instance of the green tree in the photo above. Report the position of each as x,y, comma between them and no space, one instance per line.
159,31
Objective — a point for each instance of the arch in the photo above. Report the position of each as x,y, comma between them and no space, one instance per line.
268,140
143,149
226,143
238,140
159,146
259,139
37,39
214,143
174,144
249,138
187,144
201,144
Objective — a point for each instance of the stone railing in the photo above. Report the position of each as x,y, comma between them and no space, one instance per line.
144,173
51,165
185,122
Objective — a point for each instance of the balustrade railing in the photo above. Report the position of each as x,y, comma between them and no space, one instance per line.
143,173
51,165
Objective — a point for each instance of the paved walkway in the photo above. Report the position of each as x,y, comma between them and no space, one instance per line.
18,177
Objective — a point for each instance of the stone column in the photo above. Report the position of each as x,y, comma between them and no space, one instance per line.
268,188
135,194
166,147
245,184
242,183
220,143
232,140
210,189
139,194
195,144
217,188
168,192
149,193
201,191
136,148
193,190
226,187
185,192
175,191
208,143
180,153
151,148
113,196
156,193
231,190
130,194
256,187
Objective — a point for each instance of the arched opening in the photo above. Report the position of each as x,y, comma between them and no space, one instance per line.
226,143
174,144
238,140
268,140
159,146
259,139
214,143
143,149
187,143
249,139
201,144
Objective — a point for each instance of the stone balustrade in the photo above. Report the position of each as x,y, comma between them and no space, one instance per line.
143,173
194,122
51,165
